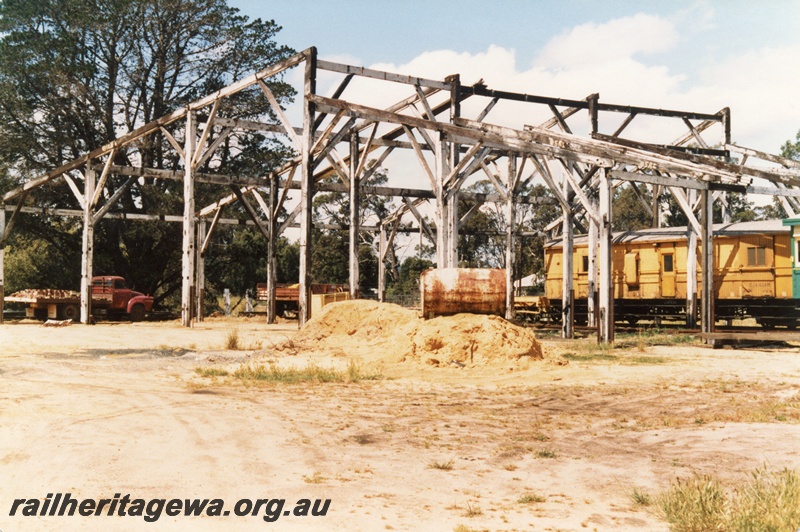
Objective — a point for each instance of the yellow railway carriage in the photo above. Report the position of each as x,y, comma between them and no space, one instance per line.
753,273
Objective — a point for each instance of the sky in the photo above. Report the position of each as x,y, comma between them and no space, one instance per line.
689,55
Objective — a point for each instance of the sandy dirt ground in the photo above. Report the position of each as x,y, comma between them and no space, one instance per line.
552,444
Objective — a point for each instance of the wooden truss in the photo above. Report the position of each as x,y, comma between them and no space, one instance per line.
445,126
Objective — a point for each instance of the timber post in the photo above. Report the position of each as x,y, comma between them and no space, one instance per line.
567,292
591,296
707,288
355,204
188,273
605,325
306,185
382,245
272,261
2,258
510,216
200,282
691,269
87,246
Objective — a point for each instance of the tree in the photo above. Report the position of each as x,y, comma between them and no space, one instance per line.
629,209
75,74
791,150
331,247
739,207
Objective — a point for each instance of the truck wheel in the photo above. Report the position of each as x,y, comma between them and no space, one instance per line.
137,312
71,312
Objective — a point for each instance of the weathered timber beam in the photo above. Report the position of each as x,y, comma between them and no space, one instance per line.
718,166
111,201
10,223
482,90
322,187
513,140
213,147
155,125
385,76
250,211
783,161
75,191
605,148
98,191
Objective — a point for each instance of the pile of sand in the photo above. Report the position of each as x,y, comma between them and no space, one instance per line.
389,333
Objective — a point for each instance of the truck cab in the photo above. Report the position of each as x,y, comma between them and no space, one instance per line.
111,293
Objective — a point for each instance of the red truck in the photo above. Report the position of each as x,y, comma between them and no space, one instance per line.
110,296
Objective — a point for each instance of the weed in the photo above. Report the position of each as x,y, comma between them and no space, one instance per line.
211,371
530,498
473,511
769,500
316,478
311,373
640,498
441,465
363,439
465,528
644,360
696,504
589,357
546,453
232,339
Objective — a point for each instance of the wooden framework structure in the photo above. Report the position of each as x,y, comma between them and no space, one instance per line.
446,127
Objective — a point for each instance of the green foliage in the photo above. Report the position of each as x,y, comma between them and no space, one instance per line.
791,150
741,210
408,277
630,211
331,247
486,247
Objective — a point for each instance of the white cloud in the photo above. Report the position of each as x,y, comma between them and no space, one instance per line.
592,44
624,60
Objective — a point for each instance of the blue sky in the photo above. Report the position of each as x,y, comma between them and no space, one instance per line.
692,55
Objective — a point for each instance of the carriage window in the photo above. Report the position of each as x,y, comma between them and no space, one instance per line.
757,256
668,263
585,264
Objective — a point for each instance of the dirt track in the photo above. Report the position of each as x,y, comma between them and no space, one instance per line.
118,408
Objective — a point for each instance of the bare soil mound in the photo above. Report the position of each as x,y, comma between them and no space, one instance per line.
384,332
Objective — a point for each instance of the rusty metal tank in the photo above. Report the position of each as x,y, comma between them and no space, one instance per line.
447,291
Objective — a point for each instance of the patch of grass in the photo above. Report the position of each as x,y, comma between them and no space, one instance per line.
768,500
644,360
232,339
530,498
589,357
546,453
465,528
641,498
316,478
441,465
272,373
211,371
473,511
696,504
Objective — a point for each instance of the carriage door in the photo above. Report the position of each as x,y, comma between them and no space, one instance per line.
667,275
